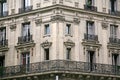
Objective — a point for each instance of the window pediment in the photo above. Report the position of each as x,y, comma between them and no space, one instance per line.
46,44
69,43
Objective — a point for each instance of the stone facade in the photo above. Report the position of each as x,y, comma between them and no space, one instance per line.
57,42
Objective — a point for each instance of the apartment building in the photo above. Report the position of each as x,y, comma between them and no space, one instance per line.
59,39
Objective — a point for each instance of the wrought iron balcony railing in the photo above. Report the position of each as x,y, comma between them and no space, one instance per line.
60,65
3,43
90,37
90,7
25,9
24,39
3,14
114,40
116,13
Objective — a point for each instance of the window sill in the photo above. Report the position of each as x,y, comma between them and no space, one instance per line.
46,35
68,35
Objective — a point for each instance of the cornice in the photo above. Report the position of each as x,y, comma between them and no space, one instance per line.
60,6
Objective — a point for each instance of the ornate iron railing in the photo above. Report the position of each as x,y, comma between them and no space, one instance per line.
90,7
5,13
91,37
24,39
60,65
3,43
114,40
116,13
25,9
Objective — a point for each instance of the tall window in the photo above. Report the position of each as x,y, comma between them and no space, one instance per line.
115,59
25,60
113,31
47,29
68,29
2,33
113,5
2,61
47,54
3,7
90,28
91,59
68,53
26,29
26,32
26,3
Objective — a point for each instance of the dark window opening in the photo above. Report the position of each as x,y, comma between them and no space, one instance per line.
115,59
91,59
3,8
46,54
112,2
3,40
68,53
25,61
68,28
47,29
2,61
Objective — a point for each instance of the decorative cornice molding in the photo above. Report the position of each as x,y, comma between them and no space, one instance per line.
46,44
69,43
58,18
104,25
76,20
38,21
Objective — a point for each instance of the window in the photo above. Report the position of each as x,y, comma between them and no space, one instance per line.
3,8
26,29
89,2
2,36
46,54
26,3
113,5
2,61
25,60
113,31
115,59
47,29
68,53
90,28
68,29
26,36
91,59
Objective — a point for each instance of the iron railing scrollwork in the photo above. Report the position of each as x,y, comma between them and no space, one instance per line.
114,40
3,43
24,39
90,7
60,65
25,9
91,37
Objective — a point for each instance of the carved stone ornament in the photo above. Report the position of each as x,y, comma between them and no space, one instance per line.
1,23
104,25
69,43
38,21
13,26
46,44
25,19
58,17
76,4
76,20
91,48
61,1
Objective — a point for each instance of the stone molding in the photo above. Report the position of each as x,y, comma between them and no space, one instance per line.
69,43
46,44
58,18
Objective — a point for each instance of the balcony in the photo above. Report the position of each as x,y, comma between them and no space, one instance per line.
116,13
3,14
25,9
24,39
90,37
90,8
60,66
3,45
114,40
